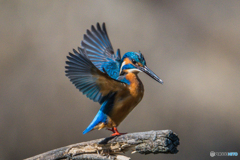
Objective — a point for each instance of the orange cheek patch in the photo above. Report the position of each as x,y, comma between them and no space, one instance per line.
127,61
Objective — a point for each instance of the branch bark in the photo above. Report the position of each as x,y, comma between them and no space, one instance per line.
161,141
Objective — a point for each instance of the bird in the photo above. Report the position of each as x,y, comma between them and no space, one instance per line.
104,77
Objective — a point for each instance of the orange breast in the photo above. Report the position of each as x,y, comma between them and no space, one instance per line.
126,100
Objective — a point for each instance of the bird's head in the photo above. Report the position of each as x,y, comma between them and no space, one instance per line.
135,62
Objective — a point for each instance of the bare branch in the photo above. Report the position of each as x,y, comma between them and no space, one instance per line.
161,141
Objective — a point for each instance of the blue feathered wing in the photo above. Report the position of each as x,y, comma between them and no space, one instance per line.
93,83
100,51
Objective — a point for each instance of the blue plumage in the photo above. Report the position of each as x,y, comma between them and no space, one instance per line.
83,74
107,78
137,57
100,51
79,71
101,116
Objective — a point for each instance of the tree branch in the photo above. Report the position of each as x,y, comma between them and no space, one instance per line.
161,141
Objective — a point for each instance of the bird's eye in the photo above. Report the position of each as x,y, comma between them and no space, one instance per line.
133,61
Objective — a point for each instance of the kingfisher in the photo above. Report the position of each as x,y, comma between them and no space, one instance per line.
104,77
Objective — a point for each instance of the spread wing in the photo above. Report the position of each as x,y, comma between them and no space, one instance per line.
93,83
100,50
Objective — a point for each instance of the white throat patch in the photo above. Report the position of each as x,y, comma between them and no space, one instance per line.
133,70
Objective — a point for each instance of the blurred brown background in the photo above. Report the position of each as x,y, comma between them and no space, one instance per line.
192,45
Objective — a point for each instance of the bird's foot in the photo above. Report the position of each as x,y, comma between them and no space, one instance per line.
115,132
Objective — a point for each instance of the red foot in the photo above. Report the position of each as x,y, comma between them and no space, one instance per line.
115,132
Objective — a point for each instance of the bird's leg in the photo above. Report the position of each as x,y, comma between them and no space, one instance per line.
115,132
111,129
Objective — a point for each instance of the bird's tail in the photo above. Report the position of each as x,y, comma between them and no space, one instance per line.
99,118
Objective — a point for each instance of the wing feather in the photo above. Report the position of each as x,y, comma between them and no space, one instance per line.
100,51
93,83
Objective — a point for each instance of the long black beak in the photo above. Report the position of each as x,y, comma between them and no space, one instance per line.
146,70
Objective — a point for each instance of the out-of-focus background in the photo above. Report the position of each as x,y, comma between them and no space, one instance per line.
194,46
